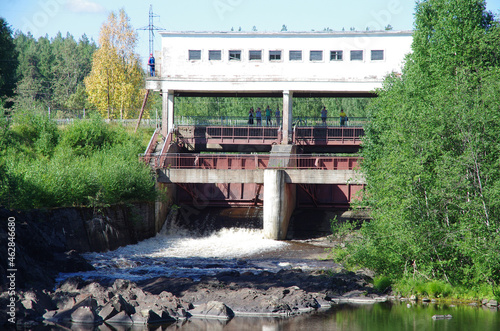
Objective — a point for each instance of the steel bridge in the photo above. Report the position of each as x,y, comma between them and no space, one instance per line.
193,162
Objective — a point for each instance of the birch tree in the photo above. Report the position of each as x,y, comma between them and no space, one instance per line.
115,81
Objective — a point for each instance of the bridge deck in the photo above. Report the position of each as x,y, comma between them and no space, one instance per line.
268,135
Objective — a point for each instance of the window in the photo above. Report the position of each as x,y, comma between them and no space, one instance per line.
336,55
234,55
214,55
377,55
356,55
194,54
255,55
295,55
316,56
274,55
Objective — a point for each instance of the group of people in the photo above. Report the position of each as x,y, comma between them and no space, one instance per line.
343,116
258,116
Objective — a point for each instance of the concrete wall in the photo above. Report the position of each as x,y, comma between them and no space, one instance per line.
292,176
178,72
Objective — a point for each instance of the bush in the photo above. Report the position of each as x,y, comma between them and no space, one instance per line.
382,283
84,137
37,132
106,171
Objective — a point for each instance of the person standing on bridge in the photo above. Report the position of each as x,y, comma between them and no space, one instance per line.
250,116
258,116
277,114
343,118
268,116
323,115
151,64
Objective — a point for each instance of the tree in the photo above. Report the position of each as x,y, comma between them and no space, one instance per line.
431,154
114,84
51,71
8,62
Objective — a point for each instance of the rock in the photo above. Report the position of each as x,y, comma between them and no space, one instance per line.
148,316
120,305
38,301
426,300
413,297
120,285
71,261
120,318
212,309
108,311
70,285
441,317
484,302
66,315
492,304
85,315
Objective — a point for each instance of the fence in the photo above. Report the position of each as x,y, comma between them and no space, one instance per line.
250,161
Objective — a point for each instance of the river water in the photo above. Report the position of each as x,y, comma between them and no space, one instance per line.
176,252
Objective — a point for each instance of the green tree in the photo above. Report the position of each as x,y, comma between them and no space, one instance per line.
114,84
8,62
431,154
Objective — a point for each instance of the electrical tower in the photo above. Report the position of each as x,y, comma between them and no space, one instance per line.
152,28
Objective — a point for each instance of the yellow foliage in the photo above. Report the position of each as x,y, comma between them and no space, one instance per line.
115,81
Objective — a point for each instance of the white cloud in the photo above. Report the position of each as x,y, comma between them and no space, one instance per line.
84,6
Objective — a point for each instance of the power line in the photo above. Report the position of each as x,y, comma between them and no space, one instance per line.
152,28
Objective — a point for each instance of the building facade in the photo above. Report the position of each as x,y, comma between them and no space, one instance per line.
276,64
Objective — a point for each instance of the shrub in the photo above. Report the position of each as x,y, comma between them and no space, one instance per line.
381,283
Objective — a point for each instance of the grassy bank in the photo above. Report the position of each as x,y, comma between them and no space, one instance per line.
87,163
348,251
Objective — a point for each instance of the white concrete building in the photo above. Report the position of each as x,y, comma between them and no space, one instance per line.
276,64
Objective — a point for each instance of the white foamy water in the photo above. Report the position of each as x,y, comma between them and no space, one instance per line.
225,243
178,253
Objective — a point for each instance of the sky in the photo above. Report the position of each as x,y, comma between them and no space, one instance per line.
78,17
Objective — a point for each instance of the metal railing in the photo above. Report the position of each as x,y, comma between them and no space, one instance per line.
229,135
243,121
250,161
327,135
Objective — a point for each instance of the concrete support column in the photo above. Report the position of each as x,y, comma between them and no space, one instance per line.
287,116
279,203
167,112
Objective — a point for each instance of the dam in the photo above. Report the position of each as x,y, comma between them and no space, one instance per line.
280,168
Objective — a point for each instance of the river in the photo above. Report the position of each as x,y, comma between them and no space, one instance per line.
176,252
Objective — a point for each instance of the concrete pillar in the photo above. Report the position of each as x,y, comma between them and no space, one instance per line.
287,116
167,112
279,203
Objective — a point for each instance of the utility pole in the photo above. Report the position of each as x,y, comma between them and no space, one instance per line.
151,28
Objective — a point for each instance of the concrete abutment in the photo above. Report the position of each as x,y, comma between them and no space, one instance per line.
279,203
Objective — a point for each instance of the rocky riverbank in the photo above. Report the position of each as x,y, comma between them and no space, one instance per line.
164,300
45,246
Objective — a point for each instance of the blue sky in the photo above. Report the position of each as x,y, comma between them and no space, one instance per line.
77,17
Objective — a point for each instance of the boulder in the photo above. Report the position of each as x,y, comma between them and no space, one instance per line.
108,311
85,315
212,309
120,318
492,303
147,316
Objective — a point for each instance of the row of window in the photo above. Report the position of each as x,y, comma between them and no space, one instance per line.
314,56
